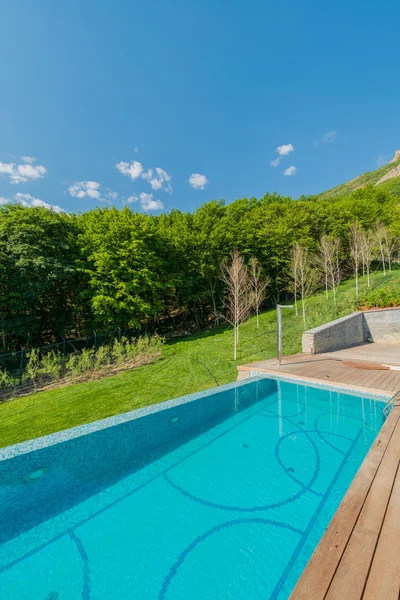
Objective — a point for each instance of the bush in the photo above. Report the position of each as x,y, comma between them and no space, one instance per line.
380,298
102,358
53,365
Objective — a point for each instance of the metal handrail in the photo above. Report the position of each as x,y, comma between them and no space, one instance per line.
390,403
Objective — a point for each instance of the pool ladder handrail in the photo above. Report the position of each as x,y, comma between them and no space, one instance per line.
390,403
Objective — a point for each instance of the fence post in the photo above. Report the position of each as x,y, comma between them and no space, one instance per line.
21,361
119,334
63,339
95,339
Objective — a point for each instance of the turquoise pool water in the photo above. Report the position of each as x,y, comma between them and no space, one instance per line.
224,496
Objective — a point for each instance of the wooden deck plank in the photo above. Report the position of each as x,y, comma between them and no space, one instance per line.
384,577
357,558
323,367
321,568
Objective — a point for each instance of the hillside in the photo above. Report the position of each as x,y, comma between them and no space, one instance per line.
188,365
386,177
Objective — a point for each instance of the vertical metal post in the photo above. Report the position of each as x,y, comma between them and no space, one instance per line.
95,339
21,364
279,330
278,333
63,344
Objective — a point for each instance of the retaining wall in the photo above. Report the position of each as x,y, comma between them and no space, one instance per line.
352,330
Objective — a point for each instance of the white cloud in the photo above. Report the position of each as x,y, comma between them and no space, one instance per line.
132,170
197,181
136,149
158,179
111,195
275,163
290,171
327,138
27,171
4,200
7,168
23,172
148,203
28,159
285,149
130,199
28,200
80,189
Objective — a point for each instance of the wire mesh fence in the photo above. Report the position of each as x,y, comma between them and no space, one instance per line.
16,361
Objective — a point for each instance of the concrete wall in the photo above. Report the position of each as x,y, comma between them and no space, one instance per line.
382,326
357,328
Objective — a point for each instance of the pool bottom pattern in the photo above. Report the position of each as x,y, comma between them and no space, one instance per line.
243,529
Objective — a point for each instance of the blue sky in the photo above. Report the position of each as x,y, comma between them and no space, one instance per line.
106,92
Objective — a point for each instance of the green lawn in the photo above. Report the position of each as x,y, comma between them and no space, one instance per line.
177,373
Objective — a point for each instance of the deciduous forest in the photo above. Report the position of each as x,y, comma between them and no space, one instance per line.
68,275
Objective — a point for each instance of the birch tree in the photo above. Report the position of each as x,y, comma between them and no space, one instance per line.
294,274
239,297
326,256
303,277
380,241
337,255
367,252
259,285
355,239
328,260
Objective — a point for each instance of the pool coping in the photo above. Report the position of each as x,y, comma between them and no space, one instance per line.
9,452
316,382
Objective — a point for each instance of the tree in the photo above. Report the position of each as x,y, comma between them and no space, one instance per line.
259,285
380,239
387,245
367,252
239,297
355,240
38,274
330,264
294,273
303,274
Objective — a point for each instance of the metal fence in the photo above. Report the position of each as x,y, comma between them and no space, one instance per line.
16,361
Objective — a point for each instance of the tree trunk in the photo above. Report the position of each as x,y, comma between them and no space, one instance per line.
357,282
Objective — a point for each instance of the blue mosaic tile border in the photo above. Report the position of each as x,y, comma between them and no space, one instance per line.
9,452
67,434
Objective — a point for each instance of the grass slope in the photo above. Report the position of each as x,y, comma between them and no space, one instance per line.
177,373
369,178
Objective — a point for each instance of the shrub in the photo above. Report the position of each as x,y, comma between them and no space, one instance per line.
52,365
102,358
380,298
33,367
119,351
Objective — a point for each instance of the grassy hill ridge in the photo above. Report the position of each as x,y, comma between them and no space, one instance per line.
391,185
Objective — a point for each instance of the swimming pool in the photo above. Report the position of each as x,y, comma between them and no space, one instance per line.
220,495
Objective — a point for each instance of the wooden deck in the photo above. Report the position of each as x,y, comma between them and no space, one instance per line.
329,369
358,557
